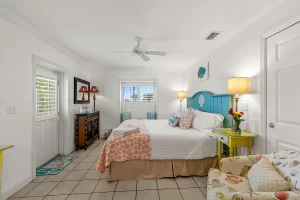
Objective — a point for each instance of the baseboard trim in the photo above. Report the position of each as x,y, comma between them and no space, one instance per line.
16,187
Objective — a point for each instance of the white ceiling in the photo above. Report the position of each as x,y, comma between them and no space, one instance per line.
94,29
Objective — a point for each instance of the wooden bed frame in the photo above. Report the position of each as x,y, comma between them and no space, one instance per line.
147,169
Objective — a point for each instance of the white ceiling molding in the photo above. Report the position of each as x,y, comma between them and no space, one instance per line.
26,26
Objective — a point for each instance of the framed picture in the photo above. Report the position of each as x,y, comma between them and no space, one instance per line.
203,72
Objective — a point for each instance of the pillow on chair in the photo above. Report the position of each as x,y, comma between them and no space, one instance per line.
263,177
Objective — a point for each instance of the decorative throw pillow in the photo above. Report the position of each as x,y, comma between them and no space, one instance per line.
288,163
186,120
263,177
174,120
180,113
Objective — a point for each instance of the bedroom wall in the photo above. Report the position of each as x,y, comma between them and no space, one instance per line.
16,86
240,56
168,83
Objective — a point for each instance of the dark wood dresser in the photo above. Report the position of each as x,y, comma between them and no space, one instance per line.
86,129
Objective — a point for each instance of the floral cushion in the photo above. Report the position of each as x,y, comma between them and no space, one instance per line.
231,186
220,184
263,177
239,165
288,163
186,120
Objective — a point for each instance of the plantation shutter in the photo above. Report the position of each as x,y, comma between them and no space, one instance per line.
138,99
46,99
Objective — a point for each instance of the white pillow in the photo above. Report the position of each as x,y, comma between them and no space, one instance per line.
204,120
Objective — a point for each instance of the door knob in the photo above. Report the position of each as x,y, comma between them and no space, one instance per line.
271,125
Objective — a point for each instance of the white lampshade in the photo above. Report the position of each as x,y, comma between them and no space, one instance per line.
181,95
238,85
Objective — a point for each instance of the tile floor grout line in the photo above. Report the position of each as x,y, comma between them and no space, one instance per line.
178,187
29,191
137,182
77,184
157,189
203,193
115,190
199,188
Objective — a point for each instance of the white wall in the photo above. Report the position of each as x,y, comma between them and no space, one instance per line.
168,83
241,57
16,85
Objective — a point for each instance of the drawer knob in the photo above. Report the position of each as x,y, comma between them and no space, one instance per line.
222,138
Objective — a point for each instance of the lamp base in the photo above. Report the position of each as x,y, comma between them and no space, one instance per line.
236,98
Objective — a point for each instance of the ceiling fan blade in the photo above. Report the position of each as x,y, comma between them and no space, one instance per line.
128,56
157,53
123,51
145,58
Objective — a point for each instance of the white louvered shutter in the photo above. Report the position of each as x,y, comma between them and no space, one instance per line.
46,99
138,99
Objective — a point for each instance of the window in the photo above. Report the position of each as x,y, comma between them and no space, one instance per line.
45,95
138,98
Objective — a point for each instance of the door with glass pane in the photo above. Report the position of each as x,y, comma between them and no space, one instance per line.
46,115
138,98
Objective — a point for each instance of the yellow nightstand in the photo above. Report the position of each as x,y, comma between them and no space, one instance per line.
233,140
2,148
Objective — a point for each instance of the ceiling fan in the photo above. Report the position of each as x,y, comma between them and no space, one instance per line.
143,54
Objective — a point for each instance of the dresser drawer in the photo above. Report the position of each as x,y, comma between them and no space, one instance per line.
223,138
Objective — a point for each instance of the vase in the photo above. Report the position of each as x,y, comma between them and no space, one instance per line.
236,127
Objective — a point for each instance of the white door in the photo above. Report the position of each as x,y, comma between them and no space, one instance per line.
46,115
283,90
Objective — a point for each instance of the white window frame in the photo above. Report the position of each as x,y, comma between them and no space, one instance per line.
138,83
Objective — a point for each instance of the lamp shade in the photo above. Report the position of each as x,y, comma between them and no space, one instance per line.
83,89
94,89
238,85
181,95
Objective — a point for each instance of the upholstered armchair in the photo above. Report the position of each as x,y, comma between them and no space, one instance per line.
231,182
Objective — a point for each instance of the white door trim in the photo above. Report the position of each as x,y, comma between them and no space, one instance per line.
63,104
263,78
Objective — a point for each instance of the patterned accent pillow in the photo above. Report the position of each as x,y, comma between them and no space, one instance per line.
174,120
288,163
186,120
263,177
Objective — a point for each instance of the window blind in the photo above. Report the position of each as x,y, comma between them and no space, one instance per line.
46,95
138,99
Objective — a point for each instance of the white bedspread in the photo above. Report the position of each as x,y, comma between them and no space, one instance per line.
175,143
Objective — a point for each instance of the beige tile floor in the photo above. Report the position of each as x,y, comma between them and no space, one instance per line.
80,181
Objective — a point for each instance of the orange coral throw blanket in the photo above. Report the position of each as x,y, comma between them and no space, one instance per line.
121,148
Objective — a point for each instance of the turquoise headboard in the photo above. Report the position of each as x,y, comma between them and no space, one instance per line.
214,104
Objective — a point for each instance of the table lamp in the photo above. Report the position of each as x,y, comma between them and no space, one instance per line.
83,89
238,85
181,95
94,90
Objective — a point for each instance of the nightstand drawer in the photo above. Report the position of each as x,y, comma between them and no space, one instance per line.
223,138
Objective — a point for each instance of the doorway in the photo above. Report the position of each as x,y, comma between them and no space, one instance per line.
55,123
280,80
47,112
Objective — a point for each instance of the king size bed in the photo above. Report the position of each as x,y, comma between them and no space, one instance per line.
160,150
